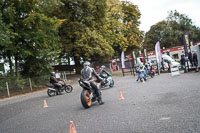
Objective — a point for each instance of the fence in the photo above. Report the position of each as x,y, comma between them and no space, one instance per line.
14,86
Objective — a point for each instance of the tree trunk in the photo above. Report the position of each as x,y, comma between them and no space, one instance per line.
78,66
10,65
16,65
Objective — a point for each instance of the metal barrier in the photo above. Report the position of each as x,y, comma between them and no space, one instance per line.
13,86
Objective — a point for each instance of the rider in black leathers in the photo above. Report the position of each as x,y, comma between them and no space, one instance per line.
86,75
54,81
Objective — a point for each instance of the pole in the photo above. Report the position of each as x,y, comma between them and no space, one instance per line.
65,76
30,84
8,89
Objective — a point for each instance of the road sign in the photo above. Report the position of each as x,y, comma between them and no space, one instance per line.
175,71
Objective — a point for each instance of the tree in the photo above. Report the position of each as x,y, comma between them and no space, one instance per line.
81,34
170,31
121,29
5,42
131,20
35,38
156,33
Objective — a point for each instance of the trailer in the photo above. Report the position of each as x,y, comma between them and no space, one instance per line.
196,48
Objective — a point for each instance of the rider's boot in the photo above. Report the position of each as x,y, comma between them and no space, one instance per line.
100,101
59,91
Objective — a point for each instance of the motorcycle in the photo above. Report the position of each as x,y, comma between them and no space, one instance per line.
52,90
88,95
107,81
152,72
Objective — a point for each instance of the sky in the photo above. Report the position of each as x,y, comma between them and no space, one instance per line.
154,11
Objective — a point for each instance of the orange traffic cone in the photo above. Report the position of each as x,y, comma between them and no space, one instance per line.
121,96
72,128
45,104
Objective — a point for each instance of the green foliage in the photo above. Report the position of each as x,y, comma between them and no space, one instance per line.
170,31
81,36
121,29
35,35
131,20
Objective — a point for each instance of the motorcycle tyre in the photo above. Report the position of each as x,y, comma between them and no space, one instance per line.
111,84
51,93
68,89
86,104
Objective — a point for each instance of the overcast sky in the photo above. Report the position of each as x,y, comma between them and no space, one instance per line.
154,11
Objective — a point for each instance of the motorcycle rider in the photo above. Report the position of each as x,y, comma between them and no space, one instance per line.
87,74
101,71
141,73
55,82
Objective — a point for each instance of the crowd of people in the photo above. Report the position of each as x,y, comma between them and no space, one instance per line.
193,60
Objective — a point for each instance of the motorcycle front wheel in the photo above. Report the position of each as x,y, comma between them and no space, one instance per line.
111,83
68,89
85,99
51,92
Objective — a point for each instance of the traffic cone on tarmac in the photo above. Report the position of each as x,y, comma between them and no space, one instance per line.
121,96
45,104
72,128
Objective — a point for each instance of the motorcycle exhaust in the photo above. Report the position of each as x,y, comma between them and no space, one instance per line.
52,89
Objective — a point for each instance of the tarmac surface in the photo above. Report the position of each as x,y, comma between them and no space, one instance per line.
163,104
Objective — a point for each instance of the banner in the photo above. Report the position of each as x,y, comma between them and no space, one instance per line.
134,58
158,53
122,59
186,42
145,55
191,44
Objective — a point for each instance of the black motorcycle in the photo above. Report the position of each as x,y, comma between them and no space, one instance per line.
52,90
88,95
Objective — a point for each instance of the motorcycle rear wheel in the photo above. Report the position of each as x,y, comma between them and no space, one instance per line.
68,89
51,92
85,99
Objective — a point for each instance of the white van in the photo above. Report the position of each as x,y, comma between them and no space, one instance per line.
166,58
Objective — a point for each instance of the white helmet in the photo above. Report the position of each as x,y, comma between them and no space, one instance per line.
103,67
86,63
52,73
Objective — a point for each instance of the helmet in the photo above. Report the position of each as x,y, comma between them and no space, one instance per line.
141,65
86,63
103,67
52,73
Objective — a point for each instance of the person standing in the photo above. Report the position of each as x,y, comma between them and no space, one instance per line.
195,61
162,64
57,75
190,58
183,62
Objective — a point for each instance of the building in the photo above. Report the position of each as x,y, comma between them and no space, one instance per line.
174,52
